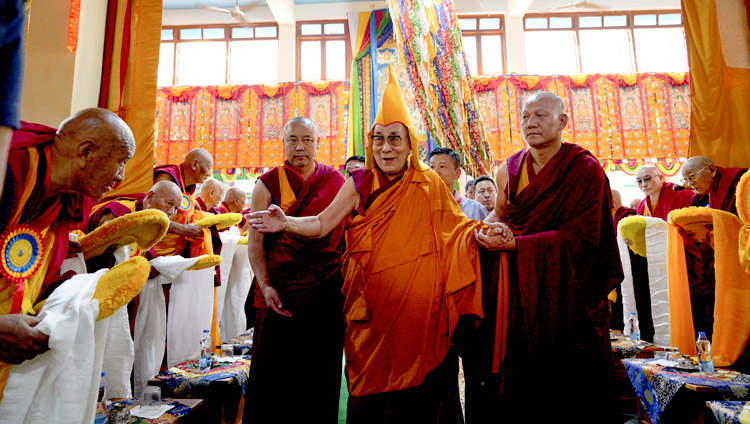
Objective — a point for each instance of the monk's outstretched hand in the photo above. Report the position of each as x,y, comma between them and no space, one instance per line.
274,302
19,340
272,220
497,236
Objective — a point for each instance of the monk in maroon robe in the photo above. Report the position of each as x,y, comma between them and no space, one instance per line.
556,200
51,178
661,197
299,326
714,187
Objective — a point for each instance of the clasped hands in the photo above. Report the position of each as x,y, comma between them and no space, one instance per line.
497,236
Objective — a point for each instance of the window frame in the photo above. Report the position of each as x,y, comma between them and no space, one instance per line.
323,38
629,26
478,33
176,29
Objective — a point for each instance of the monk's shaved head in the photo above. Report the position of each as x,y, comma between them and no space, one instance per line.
164,196
235,199
554,99
198,166
698,173
212,191
649,181
616,199
89,153
301,120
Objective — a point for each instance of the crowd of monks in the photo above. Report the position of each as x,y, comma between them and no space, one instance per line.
388,264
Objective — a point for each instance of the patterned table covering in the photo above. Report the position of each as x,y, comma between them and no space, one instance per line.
170,417
186,380
624,348
656,385
730,412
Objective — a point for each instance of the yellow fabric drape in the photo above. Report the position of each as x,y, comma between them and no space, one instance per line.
681,333
720,93
138,106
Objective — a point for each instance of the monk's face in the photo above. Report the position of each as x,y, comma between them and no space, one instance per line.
486,194
444,166
105,167
649,181
542,123
166,201
213,199
301,145
202,169
390,148
698,176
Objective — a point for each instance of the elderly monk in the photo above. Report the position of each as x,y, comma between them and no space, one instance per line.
714,186
195,168
212,193
299,326
163,195
447,164
556,200
410,269
52,176
233,202
661,197
485,192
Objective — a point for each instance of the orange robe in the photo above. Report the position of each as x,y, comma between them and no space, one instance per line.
410,269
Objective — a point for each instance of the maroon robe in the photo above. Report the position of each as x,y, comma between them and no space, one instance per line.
566,263
668,201
722,194
299,358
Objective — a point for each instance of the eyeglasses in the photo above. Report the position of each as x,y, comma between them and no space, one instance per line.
690,179
393,140
644,180
306,141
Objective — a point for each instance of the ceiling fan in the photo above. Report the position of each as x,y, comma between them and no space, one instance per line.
582,3
236,12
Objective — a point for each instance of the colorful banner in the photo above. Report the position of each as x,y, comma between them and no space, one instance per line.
618,117
241,126
430,42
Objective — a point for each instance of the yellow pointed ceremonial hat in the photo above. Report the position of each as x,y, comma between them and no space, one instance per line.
393,109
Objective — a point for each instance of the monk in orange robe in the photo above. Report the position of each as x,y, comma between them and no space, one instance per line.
52,177
556,199
195,168
410,269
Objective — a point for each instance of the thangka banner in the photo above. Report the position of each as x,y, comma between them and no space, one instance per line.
430,41
241,126
616,117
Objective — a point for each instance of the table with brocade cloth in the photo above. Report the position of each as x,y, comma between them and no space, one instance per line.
222,387
669,395
623,348
181,412
730,412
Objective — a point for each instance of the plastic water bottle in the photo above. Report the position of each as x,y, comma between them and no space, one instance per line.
705,359
101,402
204,362
635,332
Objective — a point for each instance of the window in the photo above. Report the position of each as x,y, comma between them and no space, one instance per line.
323,51
216,55
483,43
611,42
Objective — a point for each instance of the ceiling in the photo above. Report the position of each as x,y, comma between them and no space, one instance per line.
197,4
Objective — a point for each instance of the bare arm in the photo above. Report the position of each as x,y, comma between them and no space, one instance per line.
498,236
261,200
273,220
